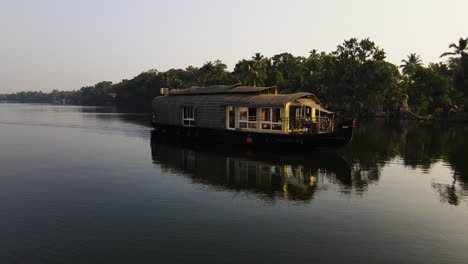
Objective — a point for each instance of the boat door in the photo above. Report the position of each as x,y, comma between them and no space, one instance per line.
298,112
231,117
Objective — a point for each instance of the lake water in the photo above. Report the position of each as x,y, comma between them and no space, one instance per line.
89,185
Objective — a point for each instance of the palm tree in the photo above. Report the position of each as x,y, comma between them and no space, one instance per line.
243,73
170,80
258,68
212,72
253,71
460,49
409,66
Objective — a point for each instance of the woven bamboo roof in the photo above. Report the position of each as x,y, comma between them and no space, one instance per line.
221,89
236,99
266,100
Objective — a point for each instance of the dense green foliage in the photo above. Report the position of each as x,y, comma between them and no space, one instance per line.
354,78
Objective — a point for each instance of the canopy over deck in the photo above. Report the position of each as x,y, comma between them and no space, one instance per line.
312,104
279,100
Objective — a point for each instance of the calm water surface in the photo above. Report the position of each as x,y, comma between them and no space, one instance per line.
89,185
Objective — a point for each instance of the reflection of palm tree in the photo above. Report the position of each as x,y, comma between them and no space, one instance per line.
448,193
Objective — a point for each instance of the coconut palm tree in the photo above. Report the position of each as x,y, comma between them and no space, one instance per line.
409,66
258,69
460,49
253,71
211,71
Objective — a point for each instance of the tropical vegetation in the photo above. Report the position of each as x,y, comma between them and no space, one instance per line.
354,78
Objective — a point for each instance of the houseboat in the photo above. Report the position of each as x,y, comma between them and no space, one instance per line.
257,116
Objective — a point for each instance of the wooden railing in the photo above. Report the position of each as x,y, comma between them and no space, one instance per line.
314,125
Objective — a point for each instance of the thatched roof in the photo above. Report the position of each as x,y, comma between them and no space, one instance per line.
221,89
266,100
236,99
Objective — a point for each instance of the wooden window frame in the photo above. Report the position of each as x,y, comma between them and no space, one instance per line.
228,118
248,122
189,120
270,123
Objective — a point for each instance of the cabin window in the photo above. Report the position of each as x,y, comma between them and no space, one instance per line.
266,118
247,117
231,117
271,119
188,115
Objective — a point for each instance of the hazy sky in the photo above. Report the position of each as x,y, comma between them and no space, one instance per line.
65,45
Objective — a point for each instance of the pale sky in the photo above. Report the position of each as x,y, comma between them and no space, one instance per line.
65,45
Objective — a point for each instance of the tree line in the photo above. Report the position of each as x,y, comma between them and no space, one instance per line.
354,78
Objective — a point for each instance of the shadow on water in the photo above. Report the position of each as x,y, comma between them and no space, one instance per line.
288,175
376,144
417,146
141,119
299,175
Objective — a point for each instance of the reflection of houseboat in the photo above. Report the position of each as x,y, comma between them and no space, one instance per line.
248,115
287,175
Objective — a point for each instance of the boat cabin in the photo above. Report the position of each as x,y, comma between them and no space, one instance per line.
242,108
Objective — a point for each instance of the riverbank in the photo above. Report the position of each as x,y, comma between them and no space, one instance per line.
123,108
437,116
454,117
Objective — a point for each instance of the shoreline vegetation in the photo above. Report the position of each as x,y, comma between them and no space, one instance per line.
354,79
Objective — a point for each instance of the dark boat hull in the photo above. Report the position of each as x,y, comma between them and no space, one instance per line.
342,135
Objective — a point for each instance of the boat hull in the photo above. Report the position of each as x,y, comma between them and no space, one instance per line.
342,135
